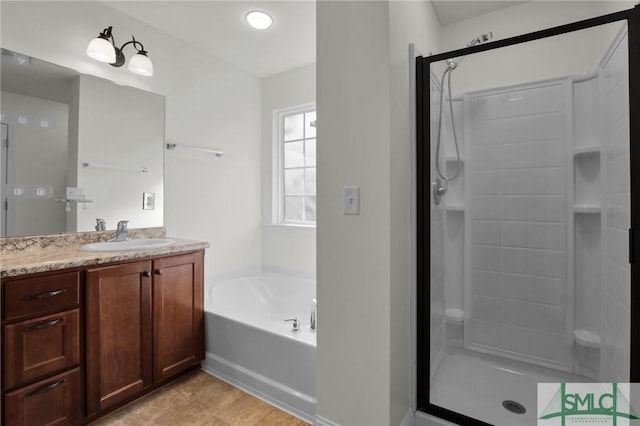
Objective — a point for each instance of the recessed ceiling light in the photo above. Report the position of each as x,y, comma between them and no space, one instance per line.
258,20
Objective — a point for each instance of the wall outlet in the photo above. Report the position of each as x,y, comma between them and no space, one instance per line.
148,201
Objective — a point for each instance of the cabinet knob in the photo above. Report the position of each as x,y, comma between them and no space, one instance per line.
158,271
146,274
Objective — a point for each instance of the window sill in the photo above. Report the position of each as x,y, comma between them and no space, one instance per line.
290,227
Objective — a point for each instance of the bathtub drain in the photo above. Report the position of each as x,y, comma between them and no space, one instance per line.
514,407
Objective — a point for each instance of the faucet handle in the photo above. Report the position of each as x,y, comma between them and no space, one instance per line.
296,324
101,224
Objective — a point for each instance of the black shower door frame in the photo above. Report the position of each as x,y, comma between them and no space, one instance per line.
424,194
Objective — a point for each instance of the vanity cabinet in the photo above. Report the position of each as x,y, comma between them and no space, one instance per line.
144,325
79,343
118,345
178,314
41,350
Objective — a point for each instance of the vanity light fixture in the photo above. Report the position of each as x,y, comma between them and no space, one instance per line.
258,20
103,48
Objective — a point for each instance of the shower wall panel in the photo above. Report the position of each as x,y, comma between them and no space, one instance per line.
454,206
614,125
517,190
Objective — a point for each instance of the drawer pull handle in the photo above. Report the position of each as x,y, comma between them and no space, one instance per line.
44,325
46,388
146,274
158,271
46,294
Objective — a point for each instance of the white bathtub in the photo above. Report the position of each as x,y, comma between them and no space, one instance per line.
249,345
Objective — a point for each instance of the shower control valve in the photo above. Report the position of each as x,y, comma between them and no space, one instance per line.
296,324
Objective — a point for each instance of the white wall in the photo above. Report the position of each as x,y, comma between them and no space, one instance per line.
365,261
38,156
284,248
354,265
208,103
410,22
519,64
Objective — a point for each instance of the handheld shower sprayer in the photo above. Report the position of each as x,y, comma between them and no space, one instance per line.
441,183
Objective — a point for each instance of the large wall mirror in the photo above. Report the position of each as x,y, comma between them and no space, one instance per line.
76,148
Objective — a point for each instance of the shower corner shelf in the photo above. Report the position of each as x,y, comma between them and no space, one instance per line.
586,150
454,207
587,208
586,338
452,159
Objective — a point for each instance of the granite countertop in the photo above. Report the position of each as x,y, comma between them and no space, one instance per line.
29,255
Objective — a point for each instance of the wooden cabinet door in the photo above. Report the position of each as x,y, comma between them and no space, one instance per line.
118,333
54,401
178,314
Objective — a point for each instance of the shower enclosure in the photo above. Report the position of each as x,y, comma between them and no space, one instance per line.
527,203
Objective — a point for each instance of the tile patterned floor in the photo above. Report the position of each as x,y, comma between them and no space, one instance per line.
199,399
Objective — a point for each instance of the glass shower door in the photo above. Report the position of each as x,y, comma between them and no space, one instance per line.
529,197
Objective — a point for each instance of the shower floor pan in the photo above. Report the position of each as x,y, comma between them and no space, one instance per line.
477,385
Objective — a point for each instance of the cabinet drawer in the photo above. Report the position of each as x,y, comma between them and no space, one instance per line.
40,346
55,401
43,294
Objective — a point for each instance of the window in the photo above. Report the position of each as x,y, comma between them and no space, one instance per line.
295,165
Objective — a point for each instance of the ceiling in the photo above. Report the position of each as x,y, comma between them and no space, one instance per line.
452,11
218,27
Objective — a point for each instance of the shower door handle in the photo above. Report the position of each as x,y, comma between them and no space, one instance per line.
630,245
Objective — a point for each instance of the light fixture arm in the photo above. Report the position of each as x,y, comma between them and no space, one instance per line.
120,59
135,43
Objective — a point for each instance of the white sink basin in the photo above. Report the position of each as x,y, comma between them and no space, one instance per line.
141,244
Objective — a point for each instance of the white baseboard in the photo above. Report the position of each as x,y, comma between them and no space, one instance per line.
407,420
274,393
321,421
422,419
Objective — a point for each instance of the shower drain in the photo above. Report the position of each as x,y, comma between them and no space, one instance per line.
514,407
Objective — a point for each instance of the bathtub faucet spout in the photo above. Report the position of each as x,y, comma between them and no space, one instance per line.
314,307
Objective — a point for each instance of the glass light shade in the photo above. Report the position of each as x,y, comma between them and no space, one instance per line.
102,50
141,64
258,20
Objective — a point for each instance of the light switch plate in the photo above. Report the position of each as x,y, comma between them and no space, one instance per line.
352,200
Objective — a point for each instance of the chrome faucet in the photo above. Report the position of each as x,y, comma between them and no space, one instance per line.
296,324
314,308
101,225
121,231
